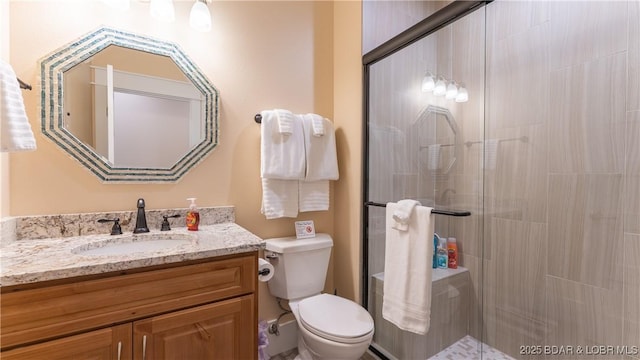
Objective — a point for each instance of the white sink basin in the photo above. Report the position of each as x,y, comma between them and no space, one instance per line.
135,243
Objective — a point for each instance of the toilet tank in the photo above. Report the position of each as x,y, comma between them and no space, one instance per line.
300,265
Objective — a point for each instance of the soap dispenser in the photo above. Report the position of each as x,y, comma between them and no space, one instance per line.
193,216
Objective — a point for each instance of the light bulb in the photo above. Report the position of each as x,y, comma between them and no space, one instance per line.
440,89
427,82
162,10
452,90
463,95
200,17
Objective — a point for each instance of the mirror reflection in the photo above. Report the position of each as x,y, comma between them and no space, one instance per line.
134,108
435,131
128,107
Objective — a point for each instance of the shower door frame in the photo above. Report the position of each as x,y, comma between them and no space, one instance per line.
441,18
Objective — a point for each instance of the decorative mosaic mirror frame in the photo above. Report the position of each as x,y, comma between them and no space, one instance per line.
52,68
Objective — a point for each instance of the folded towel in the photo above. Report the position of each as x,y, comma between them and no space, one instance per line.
317,124
281,156
285,121
279,198
313,195
402,214
15,130
321,156
407,273
490,153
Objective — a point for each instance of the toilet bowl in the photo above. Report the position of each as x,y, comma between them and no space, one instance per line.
329,327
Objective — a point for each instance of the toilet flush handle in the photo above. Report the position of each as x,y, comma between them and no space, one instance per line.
270,255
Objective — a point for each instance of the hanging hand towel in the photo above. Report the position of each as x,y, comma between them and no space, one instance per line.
402,214
16,133
279,198
434,157
313,195
317,124
285,121
321,156
282,156
490,153
407,272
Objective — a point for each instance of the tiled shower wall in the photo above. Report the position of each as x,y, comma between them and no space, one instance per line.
553,243
562,210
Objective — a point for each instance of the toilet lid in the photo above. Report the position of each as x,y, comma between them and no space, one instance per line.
335,318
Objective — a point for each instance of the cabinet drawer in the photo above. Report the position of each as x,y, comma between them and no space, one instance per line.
43,313
108,343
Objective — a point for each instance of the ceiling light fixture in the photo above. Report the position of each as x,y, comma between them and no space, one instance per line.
200,17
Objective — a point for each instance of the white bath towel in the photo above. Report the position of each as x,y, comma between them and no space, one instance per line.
317,124
490,153
282,156
407,272
15,130
279,198
321,156
402,214
285,121
313,195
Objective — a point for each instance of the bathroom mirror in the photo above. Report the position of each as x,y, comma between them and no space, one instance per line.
128,107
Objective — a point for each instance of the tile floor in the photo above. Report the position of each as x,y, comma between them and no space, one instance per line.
467,349
464,349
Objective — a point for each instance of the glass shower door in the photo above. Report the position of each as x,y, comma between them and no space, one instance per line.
428,146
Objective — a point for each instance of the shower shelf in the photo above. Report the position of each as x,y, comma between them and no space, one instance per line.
458,213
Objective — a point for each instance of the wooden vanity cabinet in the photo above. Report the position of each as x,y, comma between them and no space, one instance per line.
204,310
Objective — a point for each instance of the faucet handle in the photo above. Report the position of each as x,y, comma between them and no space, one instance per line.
165,222
116,229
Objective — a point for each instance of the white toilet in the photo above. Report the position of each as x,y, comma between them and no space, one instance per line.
329,327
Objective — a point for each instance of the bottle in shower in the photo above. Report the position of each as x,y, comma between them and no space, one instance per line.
442,256
435,250
452,250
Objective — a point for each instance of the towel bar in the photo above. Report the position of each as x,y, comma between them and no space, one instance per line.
434,211
258,118
23,85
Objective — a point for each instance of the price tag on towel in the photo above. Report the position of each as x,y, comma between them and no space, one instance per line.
305,229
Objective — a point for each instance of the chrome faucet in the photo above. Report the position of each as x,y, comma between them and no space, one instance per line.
141,219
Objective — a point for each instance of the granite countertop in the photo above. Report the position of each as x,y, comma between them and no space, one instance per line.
35,260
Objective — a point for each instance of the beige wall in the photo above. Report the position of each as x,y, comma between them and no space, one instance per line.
260,55
348,118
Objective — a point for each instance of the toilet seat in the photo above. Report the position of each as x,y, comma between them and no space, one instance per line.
335,318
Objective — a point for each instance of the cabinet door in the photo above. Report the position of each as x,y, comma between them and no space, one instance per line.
221,330
106,344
